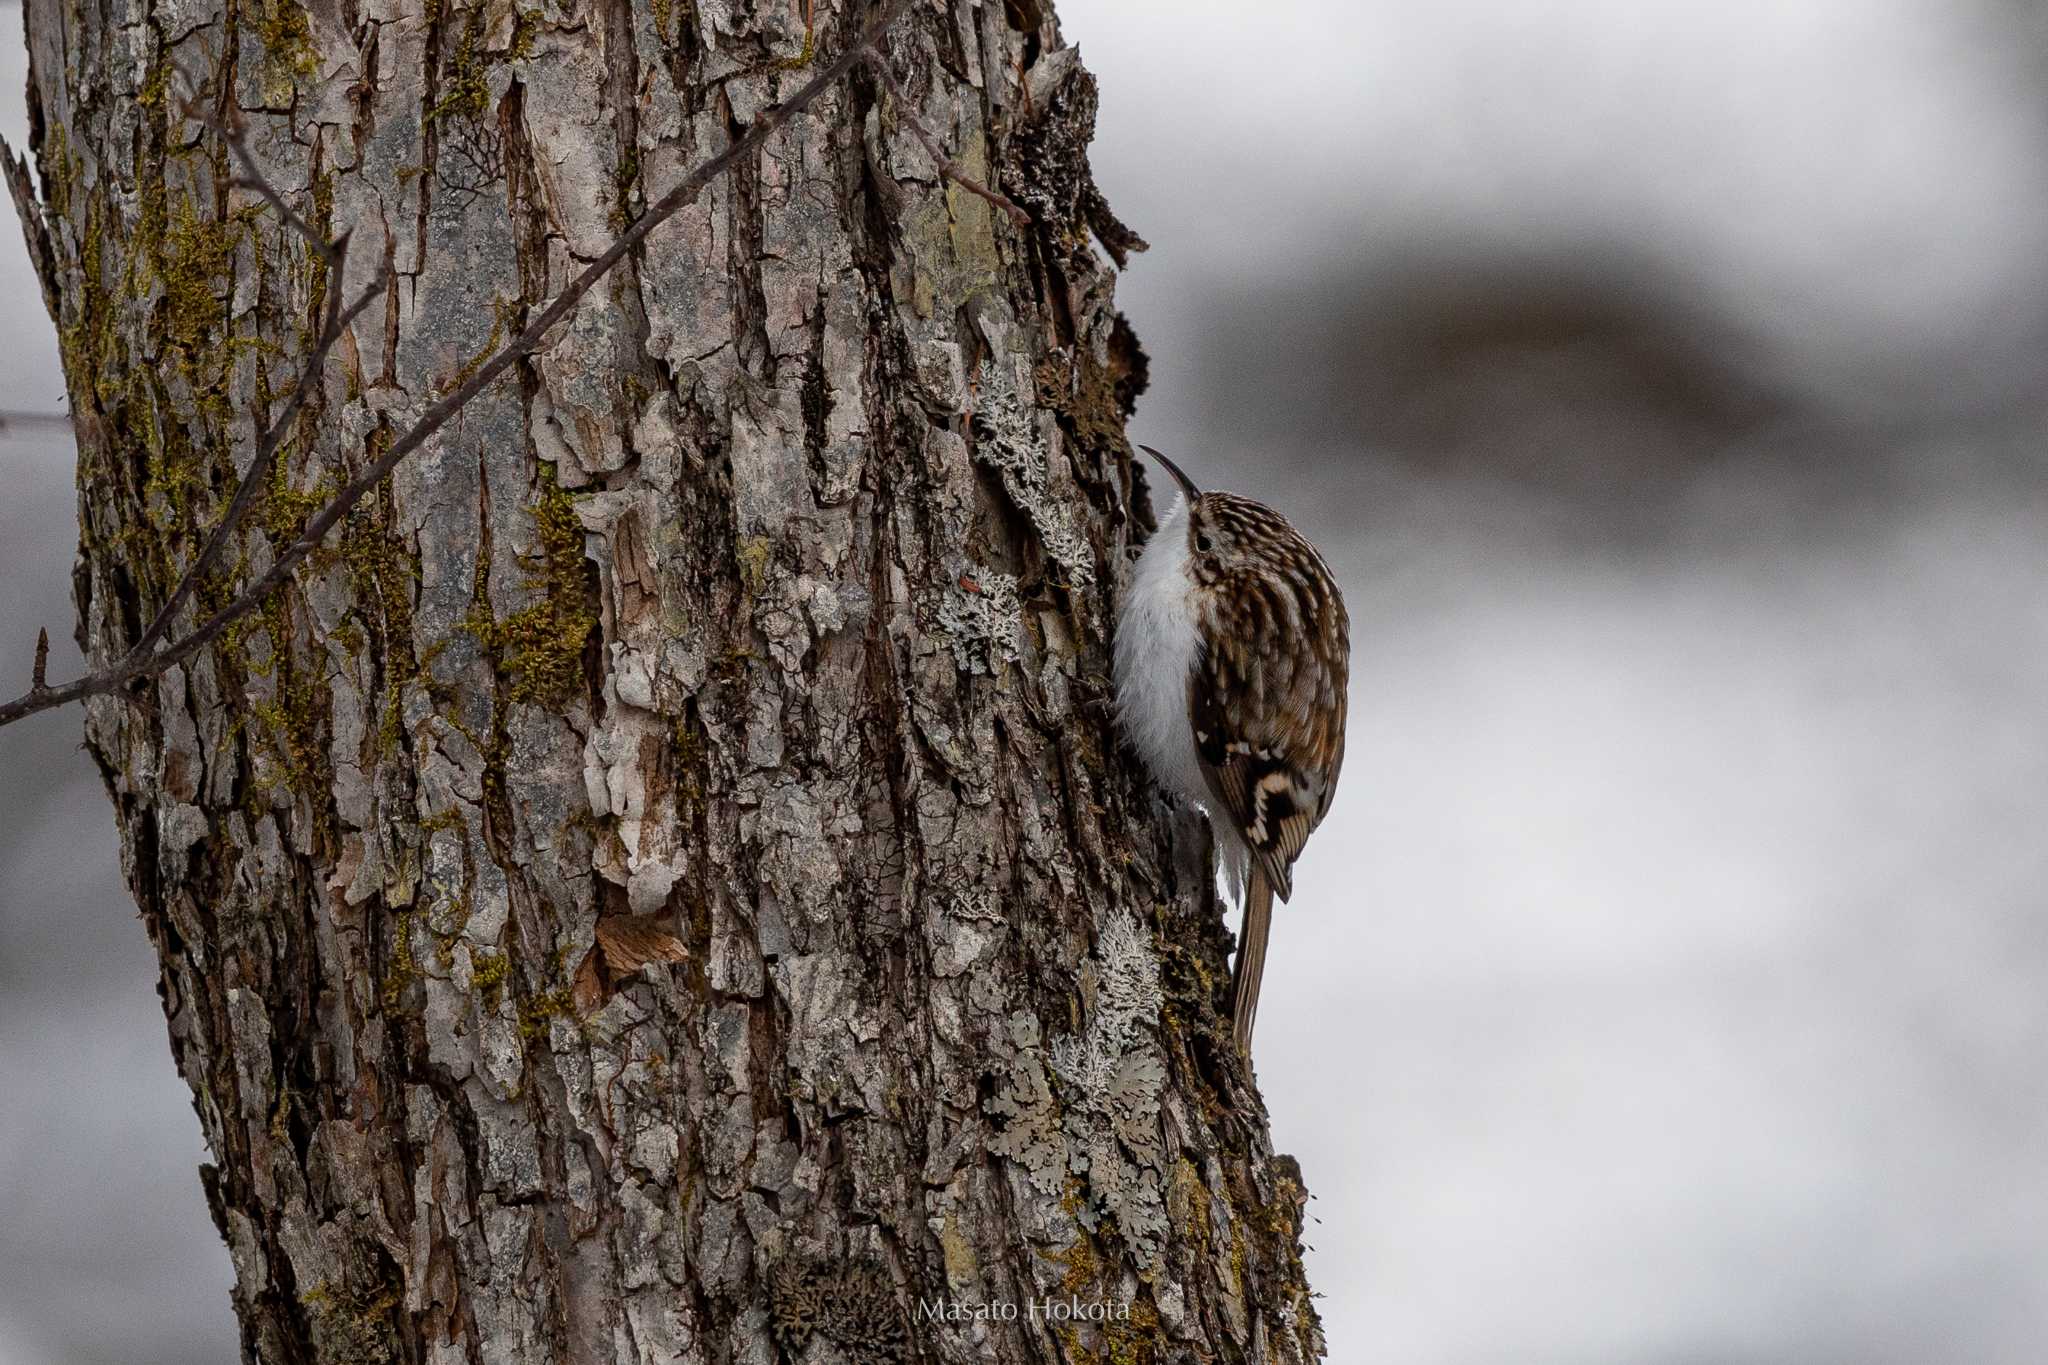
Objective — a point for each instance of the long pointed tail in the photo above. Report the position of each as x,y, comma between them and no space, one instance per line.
1251,957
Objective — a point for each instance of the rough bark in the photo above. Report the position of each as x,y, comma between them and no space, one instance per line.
764,619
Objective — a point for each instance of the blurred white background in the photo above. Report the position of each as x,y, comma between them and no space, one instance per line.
1669,985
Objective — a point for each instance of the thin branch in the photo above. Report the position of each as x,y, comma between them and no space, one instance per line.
135,664
334,253
252,177
947,166
258,473
39,676
285,211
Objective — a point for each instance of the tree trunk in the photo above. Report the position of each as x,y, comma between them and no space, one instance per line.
662,883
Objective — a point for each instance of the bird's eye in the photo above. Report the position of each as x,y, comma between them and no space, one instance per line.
1202,544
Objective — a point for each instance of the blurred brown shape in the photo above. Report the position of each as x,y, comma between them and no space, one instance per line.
1552,374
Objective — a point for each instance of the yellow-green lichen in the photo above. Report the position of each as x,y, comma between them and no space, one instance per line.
450,818
281,1116
383,577
321,222
58,172
624,177
665,19
465,92
156,83
525,27
285,31
534,1013
283,510
404,969
755,554
803,58
89,342
539,649
487,972
352,1327
288,723
688,751
1138,1339
465,82
192,256
1192,1197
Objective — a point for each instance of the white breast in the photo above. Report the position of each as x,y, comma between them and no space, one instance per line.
1157,645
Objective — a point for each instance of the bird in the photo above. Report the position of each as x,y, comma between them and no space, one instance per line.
1233,655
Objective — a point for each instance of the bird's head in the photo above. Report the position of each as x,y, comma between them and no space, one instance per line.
1227,534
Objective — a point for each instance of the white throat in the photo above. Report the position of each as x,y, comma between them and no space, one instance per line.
1158,643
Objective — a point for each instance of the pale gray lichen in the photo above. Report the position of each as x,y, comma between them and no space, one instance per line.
1029,1132
976,903
1008,439
982,617
1113,1078
1127,1000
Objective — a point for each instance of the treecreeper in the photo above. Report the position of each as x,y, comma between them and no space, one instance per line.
1232,654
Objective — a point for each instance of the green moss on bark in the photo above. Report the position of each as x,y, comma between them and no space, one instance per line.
539,649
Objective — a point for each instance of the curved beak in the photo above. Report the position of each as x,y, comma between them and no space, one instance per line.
1187,485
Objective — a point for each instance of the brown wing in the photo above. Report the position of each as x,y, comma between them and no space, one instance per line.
1269,729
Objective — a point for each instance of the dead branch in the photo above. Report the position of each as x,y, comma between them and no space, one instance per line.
334,253
338,320
139,662
948,167
252,178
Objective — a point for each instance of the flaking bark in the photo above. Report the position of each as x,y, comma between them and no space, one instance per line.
764,619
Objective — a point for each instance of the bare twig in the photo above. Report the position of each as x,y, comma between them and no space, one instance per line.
39,675
291,219
252,177
258,474
139,664
334,252
947,166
